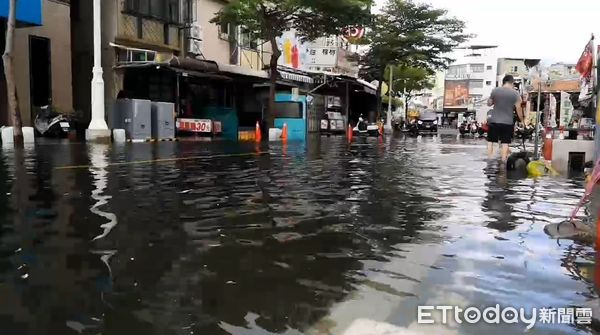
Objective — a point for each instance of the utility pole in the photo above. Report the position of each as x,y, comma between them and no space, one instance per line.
98,129
388,122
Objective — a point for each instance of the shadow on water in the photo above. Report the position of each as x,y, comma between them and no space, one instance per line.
238,242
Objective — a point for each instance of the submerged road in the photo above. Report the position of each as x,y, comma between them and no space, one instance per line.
306,238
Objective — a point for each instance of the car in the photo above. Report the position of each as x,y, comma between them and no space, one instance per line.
333,123
427,122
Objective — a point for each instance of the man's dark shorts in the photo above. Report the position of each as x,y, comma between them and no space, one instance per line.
499,132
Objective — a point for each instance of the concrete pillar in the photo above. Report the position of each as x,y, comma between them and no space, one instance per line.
97,130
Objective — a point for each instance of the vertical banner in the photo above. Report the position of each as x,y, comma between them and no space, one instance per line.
585,66
597,132
566,109
551,119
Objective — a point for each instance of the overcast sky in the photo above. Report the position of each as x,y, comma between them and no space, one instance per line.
554,30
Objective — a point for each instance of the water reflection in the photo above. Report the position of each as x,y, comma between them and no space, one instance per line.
99,163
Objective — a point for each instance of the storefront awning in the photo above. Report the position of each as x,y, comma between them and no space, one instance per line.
296,77
181,71
194,64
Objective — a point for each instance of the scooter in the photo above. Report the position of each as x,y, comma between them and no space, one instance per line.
474,127
463,128
363,128
48,123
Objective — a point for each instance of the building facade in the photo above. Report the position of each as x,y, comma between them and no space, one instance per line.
42,58
476,66
515,67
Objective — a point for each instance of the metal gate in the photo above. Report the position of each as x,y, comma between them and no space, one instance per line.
315,112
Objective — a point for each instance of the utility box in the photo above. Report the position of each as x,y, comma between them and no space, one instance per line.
163,120
135,116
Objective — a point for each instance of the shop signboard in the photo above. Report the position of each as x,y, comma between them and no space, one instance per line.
195,125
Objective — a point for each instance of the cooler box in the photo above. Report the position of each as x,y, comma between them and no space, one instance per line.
135,116
163,120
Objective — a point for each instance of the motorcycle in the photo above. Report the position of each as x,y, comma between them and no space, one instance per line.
464,128
474,128
49,123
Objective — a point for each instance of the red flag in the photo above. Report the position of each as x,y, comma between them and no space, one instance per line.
586,61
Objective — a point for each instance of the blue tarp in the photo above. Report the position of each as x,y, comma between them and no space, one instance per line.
29,12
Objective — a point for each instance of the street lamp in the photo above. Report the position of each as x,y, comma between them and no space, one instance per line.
98,129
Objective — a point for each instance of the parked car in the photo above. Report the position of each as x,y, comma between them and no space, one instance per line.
333,123
426,123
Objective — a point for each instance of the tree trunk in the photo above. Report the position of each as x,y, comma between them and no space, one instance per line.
9,73
274,75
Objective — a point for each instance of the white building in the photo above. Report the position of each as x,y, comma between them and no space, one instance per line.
476,65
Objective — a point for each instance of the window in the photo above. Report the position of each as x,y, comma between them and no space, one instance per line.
514,68
290,110
163,10
477,68
488,83
457,71
489,67
224,30
476,84
248,41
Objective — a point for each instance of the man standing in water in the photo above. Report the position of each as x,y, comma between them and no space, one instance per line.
505,100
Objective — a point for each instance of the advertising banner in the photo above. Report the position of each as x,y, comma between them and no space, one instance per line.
456,94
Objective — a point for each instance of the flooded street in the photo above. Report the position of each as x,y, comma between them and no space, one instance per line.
222,238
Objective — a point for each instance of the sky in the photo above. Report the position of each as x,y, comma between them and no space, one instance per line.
553,30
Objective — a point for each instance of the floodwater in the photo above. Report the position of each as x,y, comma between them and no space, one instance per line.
224,238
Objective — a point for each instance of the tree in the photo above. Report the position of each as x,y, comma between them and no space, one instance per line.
412,35
269,19
9,73
408,79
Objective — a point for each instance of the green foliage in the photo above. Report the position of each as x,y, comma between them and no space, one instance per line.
311,19
396,102
408,79
411,34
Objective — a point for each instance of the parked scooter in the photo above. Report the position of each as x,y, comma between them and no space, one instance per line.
364,128
49,123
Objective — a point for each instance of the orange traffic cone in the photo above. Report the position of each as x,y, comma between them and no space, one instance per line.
257,133
349,133
548,141
284,133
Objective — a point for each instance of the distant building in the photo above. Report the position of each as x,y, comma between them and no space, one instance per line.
515,67
475,71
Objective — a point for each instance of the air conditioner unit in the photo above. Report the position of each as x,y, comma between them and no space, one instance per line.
196,39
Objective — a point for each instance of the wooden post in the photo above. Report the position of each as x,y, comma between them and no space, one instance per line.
9,73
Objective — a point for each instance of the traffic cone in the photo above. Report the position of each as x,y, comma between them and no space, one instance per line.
284,133
257,133
548,142
349,133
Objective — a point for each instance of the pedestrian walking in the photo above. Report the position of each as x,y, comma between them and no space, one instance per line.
505,100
